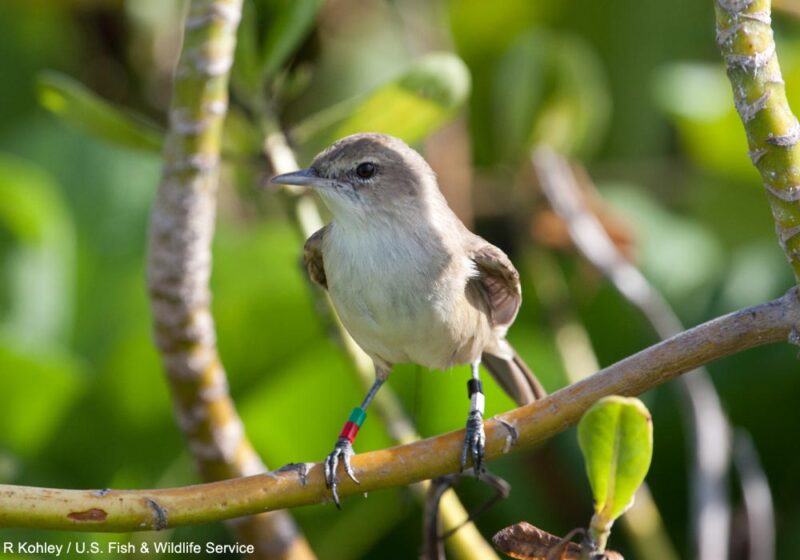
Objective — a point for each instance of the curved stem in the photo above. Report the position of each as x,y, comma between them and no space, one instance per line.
179,266
744,35
83,510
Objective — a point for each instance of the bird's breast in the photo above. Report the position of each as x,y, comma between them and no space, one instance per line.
402,301
387,280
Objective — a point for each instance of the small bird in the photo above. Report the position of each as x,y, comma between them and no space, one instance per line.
410,283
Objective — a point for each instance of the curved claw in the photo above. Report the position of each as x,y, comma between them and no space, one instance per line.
343,450
474,442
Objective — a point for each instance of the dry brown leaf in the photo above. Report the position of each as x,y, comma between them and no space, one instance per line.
526,542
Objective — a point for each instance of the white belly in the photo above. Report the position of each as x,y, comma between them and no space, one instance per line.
399,306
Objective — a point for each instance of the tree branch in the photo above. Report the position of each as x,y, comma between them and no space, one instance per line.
179,266
744,35
80,510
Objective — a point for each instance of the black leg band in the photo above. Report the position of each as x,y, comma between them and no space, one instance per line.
474,386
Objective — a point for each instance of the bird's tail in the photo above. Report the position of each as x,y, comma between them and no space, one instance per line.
514,377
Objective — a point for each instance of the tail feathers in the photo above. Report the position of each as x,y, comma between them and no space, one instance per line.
514,377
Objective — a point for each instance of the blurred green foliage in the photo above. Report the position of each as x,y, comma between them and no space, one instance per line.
74,103
635,90
410,107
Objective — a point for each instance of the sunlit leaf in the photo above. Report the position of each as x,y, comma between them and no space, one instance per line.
697,97
76,104
410,106
480,33
616,439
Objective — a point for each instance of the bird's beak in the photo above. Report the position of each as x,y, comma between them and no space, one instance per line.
304,178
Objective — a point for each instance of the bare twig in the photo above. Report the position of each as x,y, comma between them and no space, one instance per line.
757,498
707,423
432,533
81,510
179,265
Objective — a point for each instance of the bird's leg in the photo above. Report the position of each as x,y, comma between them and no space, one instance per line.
343,450
475,438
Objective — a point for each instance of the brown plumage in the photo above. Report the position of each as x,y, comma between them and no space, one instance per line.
408,280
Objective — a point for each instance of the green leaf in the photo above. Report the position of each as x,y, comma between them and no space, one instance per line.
246,78
549,88
697,98
76,104
616,439
289,23
409,107
270,31
519,84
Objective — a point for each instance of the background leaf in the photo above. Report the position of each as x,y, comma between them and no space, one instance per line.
288,21
410,107
75,103
38,265
549,88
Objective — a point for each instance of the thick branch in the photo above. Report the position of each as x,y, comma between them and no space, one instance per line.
744,35
179,266
156,509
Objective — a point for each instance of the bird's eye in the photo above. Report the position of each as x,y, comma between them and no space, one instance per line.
365,170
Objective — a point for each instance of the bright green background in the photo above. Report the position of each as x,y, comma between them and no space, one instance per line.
634,89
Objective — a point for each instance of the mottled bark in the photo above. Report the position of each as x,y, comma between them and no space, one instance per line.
744,35
179,266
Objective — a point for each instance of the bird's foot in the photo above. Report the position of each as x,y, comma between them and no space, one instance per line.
474,442
343,451
513,434
301,469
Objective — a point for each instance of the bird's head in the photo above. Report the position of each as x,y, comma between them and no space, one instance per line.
368,177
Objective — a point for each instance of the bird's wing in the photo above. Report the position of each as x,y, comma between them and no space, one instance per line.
312,257
497,282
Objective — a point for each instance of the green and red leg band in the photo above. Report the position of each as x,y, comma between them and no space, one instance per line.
353,424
